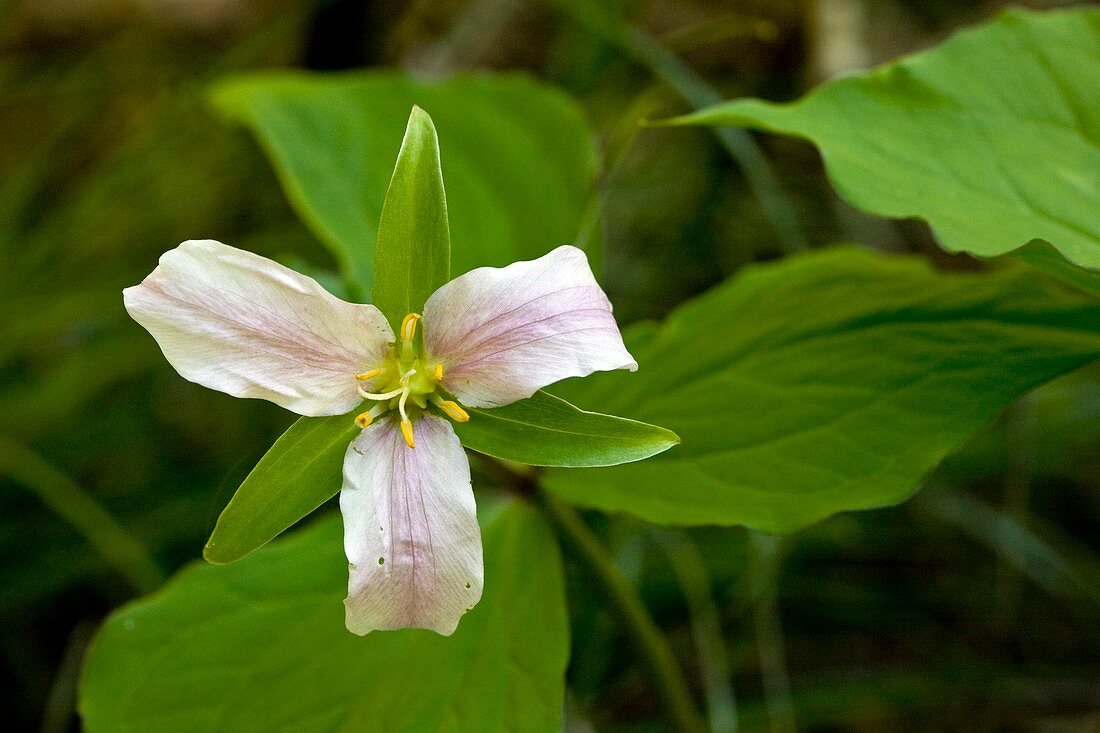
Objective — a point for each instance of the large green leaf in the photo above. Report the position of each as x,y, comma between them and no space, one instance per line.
829,381
412,256
993,136
261,646
299,473
518,162
1046,258
548,431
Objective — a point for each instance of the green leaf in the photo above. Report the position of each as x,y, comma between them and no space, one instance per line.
1046,258
412,255
830,381
520,167
301,471
545,430
993,136
261,646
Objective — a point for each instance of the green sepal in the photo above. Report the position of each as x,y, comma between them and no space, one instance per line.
299,473
412,254
545,430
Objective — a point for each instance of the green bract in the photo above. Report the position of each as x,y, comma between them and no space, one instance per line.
829,381
261,646
990,136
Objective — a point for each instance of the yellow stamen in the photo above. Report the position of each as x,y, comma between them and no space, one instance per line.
364,419
401,404
408,327
376,396
407,431
368,375
454,411
439,372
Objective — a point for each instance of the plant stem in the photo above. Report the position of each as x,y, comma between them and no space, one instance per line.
669,68
57,717
120,549
769,633
1016,496
1062,569
691,571
671,684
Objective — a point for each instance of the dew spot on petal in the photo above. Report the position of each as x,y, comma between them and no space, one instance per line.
381,561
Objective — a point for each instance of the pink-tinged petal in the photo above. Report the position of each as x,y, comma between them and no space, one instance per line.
504,333
242,324
410,529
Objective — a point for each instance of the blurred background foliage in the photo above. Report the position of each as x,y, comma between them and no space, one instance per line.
972,607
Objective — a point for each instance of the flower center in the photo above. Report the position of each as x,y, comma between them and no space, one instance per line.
406,381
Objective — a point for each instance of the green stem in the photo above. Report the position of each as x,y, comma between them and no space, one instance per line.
769,632
1056,564
668,67
111,540
57,717
1016,497
671,684
691,571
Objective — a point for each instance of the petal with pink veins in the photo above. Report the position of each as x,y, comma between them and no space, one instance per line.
410,529
504,333
242,324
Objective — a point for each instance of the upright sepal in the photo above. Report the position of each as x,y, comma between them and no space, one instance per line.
412,255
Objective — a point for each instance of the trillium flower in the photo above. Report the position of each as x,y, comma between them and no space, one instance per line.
236,322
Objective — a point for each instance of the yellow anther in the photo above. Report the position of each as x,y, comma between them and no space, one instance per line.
364,419
454,411
408,327
439,372
407,431
368,375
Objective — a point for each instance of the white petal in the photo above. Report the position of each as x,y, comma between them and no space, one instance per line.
245,325
410,529
503,333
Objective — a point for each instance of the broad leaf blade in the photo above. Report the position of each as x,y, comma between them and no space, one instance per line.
1041,255
992,136
545,430
301,471
827,382
261,646
520,167
412,255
